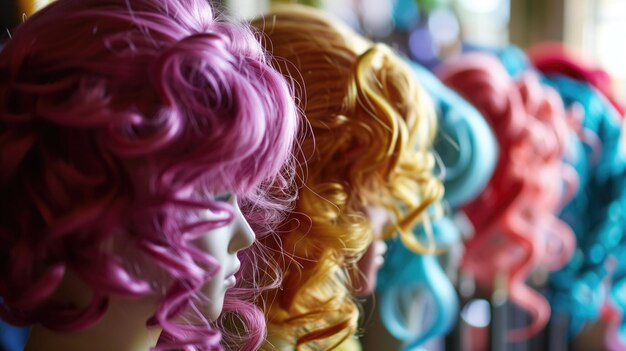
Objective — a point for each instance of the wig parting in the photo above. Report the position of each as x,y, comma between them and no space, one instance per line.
118,122
371,127
516,228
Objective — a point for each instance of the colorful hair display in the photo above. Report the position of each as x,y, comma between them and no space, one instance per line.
119,121
371,130
516,228
557,59
589,286
406,275
465,142
468,150
581,288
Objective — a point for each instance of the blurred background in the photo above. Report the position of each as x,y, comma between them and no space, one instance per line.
432,30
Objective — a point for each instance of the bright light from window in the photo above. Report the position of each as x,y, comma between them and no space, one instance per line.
610,55
377,17
480,6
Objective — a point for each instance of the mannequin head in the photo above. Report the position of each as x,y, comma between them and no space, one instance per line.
130,133
371,127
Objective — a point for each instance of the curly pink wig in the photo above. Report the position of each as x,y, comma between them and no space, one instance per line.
515,218
120,120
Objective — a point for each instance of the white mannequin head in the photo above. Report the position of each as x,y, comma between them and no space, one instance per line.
223,244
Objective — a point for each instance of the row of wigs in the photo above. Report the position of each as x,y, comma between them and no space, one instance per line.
591,286
111,114
550,199
554,202
513,172
560,211
367,142
527,147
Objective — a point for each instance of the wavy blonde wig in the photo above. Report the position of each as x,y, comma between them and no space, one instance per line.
368,144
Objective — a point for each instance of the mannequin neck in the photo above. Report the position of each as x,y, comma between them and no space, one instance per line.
123,328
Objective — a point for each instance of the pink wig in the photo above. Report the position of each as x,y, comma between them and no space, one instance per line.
556,58
515,217
119,121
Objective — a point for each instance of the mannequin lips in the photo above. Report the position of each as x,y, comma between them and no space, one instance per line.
230,279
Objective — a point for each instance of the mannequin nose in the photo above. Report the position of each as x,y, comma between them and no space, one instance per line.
243,235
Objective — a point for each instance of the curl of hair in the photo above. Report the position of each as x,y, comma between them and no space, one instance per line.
465,142
515,218
468,150
597,211
118,122
406,274
371,127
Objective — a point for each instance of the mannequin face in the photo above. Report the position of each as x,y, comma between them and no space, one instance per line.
369,265
223,244
126,318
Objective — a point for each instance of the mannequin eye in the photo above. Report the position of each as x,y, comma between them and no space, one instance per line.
223,197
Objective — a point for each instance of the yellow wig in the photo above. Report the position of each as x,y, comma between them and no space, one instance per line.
371,128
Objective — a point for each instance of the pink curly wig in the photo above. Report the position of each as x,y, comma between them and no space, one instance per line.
119,121
516,227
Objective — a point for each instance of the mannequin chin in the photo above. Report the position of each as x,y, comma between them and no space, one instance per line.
364,276
126,318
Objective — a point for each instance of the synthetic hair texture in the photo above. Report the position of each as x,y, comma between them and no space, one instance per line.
558,59
371,130
406,275
465,143
469,152
119,121
590,286
595,274
514,218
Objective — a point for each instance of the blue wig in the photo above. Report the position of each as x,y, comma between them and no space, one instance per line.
595,213
468,150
